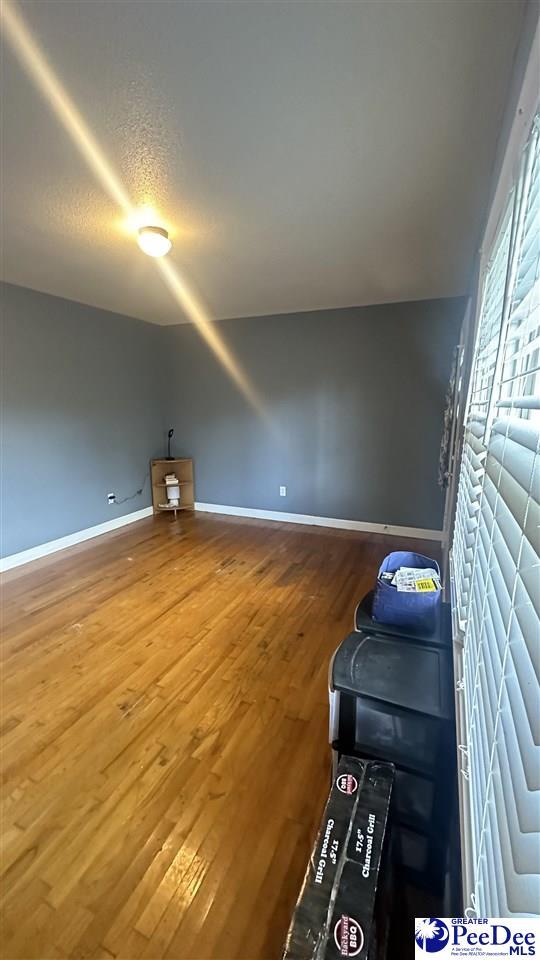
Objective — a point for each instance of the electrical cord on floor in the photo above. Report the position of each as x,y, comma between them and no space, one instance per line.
133,495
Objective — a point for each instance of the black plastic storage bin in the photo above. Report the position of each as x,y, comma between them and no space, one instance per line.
393,701
406,739
437,631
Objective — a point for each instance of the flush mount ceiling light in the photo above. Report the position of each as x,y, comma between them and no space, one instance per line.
154,241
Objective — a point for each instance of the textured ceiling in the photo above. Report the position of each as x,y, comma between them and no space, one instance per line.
305,154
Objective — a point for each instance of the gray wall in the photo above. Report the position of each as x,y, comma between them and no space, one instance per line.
82,407
356,398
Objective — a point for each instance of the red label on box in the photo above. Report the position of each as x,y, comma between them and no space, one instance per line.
347,783
348,936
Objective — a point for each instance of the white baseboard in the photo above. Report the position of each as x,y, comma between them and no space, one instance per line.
413,533
43,549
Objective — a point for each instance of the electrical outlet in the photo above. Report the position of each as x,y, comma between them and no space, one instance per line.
283,491
111,498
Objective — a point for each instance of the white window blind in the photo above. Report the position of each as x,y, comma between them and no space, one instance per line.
496,569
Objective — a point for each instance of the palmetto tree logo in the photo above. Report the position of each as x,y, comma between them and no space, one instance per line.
430,934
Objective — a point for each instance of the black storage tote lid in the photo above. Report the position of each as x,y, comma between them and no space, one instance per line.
410,676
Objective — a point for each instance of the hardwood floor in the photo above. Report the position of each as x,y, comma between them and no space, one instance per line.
164,722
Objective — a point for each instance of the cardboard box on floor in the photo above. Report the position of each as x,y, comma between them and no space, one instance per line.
334,914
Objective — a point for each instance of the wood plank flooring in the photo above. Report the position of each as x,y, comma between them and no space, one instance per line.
164,727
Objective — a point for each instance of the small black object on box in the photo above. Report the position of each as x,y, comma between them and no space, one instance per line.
335,912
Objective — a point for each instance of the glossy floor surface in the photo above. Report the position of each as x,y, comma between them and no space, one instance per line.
164,724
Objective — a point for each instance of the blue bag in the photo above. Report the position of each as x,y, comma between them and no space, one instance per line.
418,610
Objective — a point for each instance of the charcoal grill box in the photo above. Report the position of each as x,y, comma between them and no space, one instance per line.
334,914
